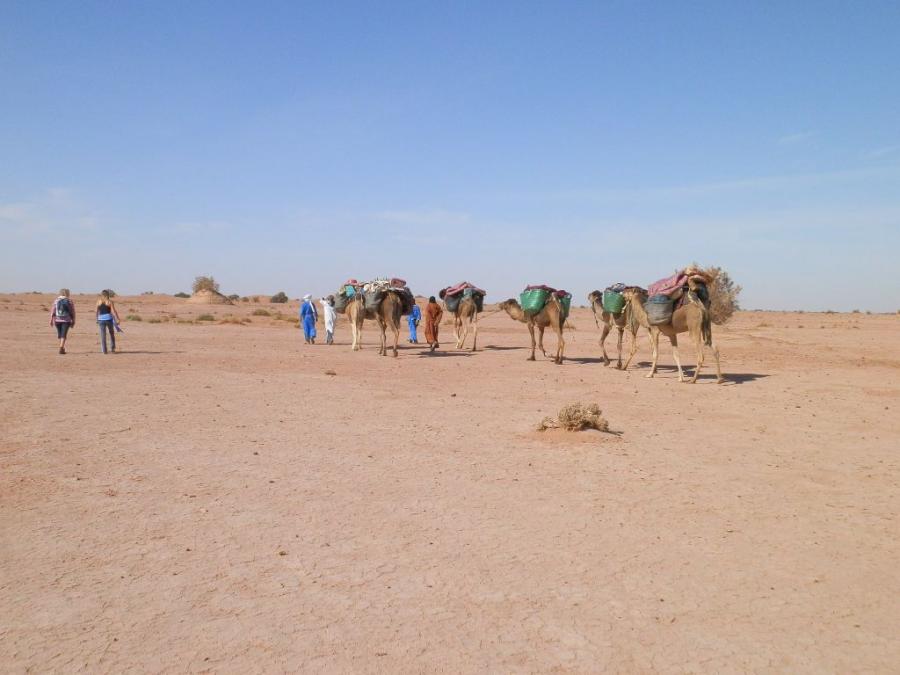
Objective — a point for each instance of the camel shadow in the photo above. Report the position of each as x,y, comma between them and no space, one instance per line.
587,359
141,351
730,378
429,354
494,348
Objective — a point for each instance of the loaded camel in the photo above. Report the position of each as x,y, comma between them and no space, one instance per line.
621,321
551,315
692,318
466,314
387,315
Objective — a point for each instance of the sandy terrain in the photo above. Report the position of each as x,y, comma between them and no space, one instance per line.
211,500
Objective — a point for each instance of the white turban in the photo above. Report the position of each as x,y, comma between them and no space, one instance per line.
308,296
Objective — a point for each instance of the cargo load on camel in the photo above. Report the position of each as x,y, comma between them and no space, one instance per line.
453,295
612,299
533,299
376,290
345,294
669,293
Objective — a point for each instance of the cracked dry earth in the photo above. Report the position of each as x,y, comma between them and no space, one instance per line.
210,500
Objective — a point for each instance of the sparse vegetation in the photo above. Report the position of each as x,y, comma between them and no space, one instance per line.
234,296
154,320
576,417
261,312
279,298
237,321
245,299
205,284
723,295
182,295
147,293
206,317
133,317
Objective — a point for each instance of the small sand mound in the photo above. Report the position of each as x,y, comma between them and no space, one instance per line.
208,297
576,417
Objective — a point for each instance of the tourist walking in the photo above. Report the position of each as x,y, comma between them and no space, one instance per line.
414,317
329,315
308,317
62,315
107,318
433,314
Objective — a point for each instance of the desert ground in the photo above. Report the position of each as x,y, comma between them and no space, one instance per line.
220,497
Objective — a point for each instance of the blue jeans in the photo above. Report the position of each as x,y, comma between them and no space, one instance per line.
107,326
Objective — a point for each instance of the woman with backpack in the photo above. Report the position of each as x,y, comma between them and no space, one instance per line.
62,315
107,318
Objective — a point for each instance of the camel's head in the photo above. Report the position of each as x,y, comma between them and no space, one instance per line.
595,298
509,303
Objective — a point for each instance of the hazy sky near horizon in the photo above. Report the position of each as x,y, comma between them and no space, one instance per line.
289,146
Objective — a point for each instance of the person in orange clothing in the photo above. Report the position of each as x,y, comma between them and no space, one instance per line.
433,314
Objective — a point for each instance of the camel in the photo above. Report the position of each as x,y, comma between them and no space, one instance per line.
692,318
620,321
466,314
551,315
387,316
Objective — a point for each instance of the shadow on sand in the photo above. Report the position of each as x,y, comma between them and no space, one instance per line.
707,374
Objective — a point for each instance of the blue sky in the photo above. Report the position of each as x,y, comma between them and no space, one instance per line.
288,146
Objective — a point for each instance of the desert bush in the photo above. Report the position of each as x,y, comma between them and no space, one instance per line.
245,299
154,320
234,296
723,295
232,320
205,284
206,317
147,293
855,311
261,312
279,298
133,317
182,295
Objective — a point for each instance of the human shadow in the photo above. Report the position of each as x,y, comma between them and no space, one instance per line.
494,348
145,351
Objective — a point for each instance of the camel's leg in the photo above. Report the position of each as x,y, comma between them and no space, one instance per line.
560,346
603,343
531,331
383,350
458,327
715,351
632,352
396,328
619,345
674,340
654,346
541,341
354,332
474,331
698,343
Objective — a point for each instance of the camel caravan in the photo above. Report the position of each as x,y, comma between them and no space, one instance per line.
382,300
671,306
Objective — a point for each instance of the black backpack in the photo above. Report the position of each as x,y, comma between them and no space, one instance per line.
63,308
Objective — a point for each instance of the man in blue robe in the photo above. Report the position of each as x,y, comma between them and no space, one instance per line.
414,317
308,317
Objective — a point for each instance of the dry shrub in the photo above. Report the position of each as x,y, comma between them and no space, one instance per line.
261,312
133,317
723,295
206,317
237,321
205,284
181,295
154,320
576,417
